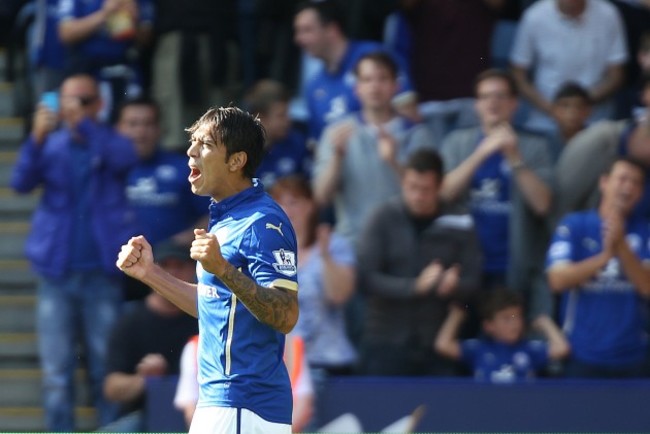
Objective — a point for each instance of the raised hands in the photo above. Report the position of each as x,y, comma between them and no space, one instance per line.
206,250
387,146
435,277
45,121
501,138
613,232
340,137
136,258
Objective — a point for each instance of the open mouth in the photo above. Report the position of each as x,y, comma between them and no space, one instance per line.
195,174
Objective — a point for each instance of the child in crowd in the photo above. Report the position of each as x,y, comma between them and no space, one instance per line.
571,109
503,354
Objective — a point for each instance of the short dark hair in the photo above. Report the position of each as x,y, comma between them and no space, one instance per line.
263,94
238,131
381,58
139,101
328,11
496,300
426,160
572,90
498,74
629,160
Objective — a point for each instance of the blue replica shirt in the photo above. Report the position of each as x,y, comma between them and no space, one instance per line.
496,362
490,206
240,358
330,95
101,47
46,49
605,318
289,156
162,198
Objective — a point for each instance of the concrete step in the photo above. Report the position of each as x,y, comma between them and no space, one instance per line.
12,245
6,99
12,132
31,419
16,277
17,313
18,346
7,160
17,206
22,388
10,144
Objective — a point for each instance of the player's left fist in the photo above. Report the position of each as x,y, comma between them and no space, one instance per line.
206,249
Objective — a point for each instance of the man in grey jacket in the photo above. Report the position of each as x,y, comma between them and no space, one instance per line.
414,257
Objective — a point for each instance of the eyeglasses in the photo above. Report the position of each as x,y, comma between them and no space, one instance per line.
84,100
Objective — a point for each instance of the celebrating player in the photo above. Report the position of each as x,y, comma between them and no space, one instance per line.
246,297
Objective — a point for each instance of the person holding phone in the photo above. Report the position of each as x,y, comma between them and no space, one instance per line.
77,229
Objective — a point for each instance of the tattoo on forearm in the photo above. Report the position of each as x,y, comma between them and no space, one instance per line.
272,306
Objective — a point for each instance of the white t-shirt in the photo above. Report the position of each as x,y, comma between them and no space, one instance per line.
559,49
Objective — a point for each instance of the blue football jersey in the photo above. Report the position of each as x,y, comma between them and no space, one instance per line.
605,318
240,358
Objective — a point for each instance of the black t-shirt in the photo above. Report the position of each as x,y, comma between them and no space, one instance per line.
140,332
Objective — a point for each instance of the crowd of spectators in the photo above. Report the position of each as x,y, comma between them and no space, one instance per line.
451,211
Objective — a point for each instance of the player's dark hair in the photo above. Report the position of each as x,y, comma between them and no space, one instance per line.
238,131
498,74
426,160
573,90
496,300
382,59
144,100
328,11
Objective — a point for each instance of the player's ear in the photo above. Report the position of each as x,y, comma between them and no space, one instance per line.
237,161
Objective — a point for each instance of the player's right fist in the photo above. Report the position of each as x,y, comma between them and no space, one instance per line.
135,258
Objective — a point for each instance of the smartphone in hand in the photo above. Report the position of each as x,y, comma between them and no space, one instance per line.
51,100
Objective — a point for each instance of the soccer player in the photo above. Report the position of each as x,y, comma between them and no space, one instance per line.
246,297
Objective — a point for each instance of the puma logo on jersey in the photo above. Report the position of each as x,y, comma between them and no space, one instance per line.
275,228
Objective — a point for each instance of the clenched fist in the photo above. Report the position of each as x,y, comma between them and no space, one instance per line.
136,258
206,250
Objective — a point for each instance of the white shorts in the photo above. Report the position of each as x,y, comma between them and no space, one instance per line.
222,420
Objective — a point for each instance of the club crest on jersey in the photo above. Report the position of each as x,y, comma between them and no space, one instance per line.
285,262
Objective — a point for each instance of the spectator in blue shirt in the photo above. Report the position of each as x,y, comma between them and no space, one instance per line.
77,229
103,38
285,151
46,51
598,263
157,186
320,31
